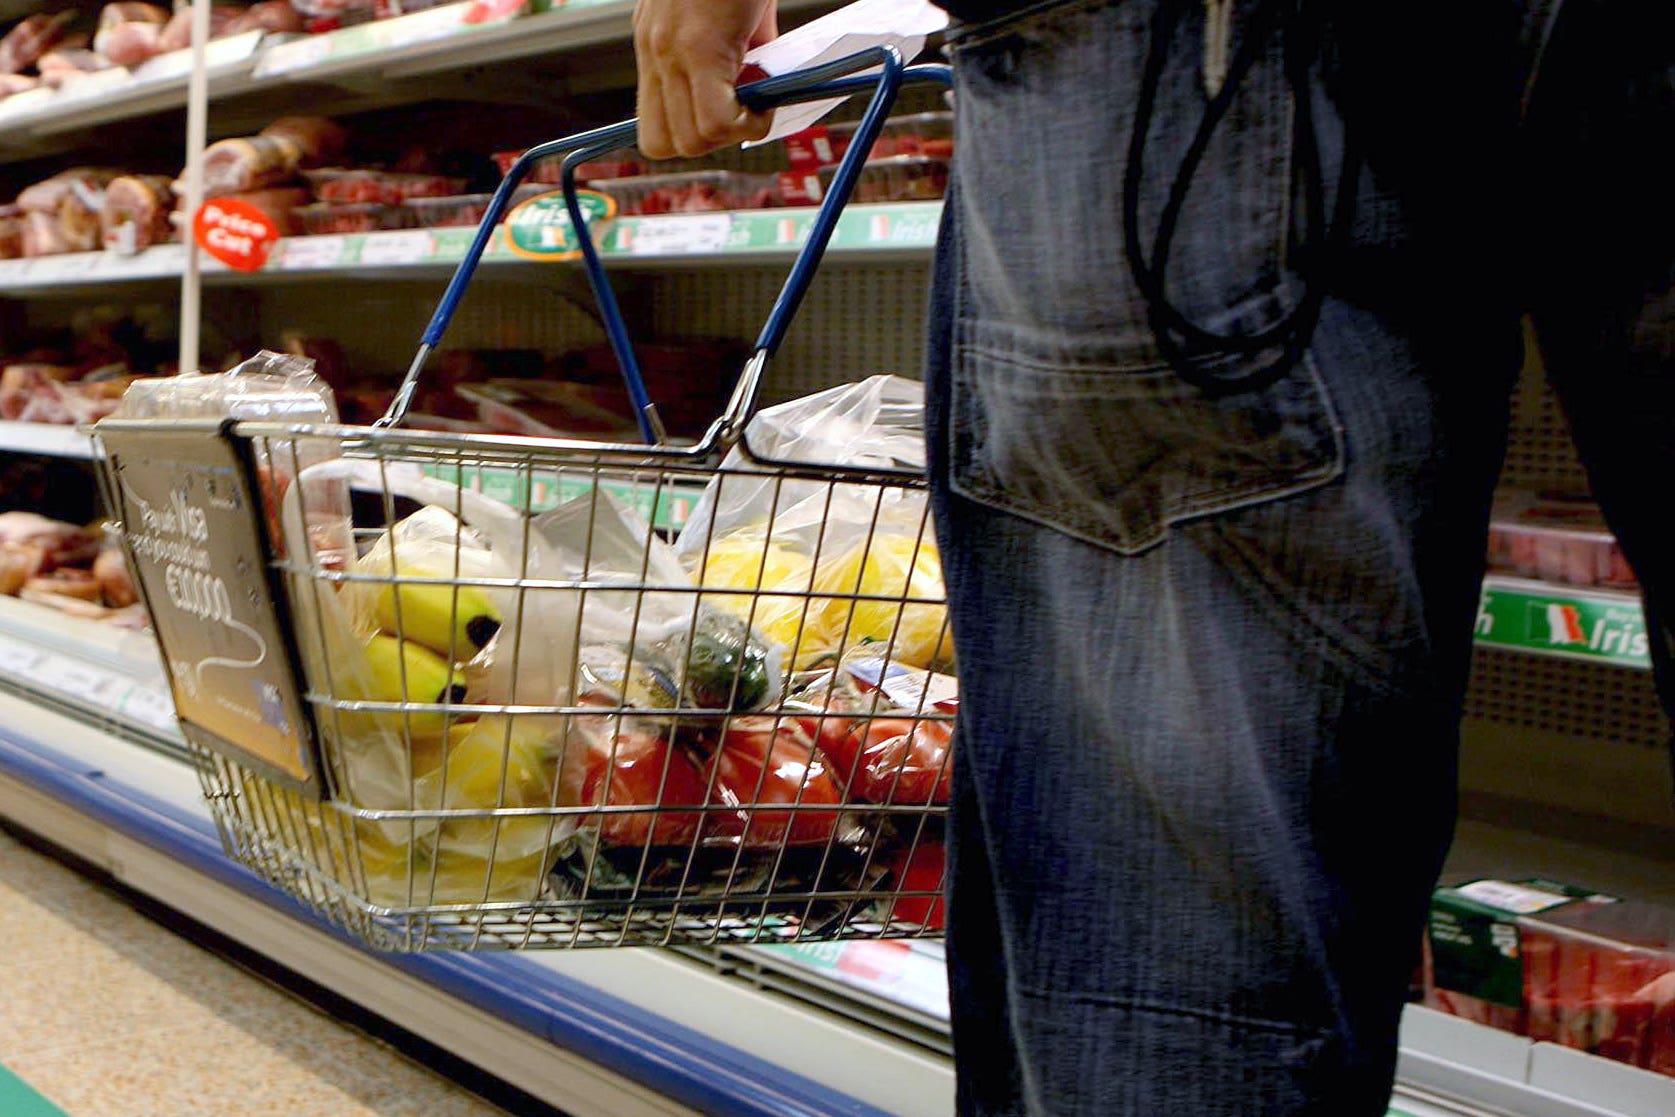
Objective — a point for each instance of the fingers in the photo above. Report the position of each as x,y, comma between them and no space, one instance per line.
689,59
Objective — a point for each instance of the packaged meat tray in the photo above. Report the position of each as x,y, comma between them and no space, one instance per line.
925,133
690,192
549,170
464,209
900,178
1473,955
1556,539
352,217
1601,978
384,187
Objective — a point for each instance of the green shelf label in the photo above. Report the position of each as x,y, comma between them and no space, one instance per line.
1548,620
666,506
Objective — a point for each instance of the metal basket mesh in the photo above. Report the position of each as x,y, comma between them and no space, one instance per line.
592,719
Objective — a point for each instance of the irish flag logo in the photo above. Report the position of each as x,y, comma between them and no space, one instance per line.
1563,624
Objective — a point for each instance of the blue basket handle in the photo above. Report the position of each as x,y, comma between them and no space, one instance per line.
834,79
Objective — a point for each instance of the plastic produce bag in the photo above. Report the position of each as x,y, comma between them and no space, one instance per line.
822,567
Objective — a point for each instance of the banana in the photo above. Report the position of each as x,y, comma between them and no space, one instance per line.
394,670
454,627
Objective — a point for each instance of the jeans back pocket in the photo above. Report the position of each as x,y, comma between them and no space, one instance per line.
1063,430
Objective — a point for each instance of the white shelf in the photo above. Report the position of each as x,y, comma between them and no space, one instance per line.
367,57
48,439
900,231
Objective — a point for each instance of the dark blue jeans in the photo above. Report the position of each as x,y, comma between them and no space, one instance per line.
1214,649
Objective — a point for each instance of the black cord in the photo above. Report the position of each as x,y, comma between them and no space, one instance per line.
1191,350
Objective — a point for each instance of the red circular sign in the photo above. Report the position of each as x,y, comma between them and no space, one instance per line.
235,232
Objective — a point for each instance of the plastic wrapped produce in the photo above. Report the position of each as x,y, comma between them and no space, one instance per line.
876,573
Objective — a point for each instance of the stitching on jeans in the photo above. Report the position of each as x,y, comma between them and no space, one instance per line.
987,32
1142,1004
1203,501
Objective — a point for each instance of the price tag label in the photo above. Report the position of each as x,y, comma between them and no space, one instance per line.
27,103
312,253
76,264
149,707
76,680
423,27
18,660
683,235
409,247
165,67
298,55
99,83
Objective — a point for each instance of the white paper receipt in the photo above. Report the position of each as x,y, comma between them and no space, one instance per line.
903,24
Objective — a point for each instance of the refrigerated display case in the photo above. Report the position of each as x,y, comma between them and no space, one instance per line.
1563,726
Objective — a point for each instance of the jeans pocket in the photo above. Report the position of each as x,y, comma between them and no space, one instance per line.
1065,430
1047,108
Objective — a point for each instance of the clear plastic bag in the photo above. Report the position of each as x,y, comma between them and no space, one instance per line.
822,567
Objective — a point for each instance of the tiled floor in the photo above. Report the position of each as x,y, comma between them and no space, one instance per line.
108,1014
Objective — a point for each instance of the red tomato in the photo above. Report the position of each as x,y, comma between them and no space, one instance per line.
830,730
920,870
636,773
765,760
898,760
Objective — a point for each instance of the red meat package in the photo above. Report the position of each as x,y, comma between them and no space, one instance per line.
1474,966
1601,978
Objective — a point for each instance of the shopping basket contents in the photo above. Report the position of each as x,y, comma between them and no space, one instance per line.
520,692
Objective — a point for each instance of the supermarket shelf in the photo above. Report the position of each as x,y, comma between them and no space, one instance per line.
109,676
1491,1070
369,57
30,121
897,231
1597,626
621,1033
48,439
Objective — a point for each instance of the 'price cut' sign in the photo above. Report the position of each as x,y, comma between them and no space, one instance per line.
235,232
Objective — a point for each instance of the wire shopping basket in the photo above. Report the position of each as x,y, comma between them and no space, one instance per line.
458,691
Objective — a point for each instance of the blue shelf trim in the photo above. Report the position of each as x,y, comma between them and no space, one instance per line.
699,1072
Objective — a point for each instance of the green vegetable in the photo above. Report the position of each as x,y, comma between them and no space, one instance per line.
726,664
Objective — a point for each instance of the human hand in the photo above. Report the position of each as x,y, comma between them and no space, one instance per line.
689,54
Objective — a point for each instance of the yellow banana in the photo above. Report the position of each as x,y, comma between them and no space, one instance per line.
455,622
394,670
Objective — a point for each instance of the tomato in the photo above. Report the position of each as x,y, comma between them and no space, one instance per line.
765,760
898,760
920,870
636,775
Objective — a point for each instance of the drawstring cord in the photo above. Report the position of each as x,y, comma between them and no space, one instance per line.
1190,349
1218,41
